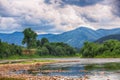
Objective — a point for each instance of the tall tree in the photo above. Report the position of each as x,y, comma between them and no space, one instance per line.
29,38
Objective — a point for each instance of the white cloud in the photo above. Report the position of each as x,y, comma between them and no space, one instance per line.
8,24
34,13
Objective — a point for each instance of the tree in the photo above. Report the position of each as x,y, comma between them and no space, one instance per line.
38,42
59,51
43,41
89,49
43,51
0,41
29,38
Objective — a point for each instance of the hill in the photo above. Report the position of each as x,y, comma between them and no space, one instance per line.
15,37
78,36
105,38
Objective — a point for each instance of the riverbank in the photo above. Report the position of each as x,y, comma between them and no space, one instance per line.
7,70
80,60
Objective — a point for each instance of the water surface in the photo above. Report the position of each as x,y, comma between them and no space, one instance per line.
95,69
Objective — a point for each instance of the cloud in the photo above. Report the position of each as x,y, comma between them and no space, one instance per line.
116,7
56,16
8,24
81,3
4,7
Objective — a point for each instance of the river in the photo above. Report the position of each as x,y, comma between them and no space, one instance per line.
94,69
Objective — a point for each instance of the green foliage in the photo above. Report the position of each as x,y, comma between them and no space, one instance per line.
44,41
38,43
56,49
7,50
110,48
43,51
106,66
29,38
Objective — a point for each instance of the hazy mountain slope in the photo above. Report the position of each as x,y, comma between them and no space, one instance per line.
115,36
105,32
76,37
15,37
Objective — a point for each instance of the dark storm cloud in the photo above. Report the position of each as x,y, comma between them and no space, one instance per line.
43,25
116,7
89,19
3,11
81,3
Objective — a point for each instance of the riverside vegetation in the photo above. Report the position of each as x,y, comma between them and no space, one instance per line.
107,49
43,48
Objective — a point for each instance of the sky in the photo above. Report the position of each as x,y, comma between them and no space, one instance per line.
58,16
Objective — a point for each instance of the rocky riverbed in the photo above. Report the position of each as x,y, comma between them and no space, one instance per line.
8,70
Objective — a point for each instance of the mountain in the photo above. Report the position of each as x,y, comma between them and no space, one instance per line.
75,38
45,35
105,32
15,37
78,36
105,38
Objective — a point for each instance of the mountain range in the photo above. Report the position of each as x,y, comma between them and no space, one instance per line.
75,37
114,36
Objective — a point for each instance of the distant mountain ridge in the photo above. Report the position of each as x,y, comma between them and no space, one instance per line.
15,37
75,38
105,38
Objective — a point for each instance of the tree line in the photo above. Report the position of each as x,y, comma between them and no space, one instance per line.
109,48
7,50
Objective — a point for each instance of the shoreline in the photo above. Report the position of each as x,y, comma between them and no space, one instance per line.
6,68
82,60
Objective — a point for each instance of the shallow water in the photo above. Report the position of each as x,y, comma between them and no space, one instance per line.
94,70
79,70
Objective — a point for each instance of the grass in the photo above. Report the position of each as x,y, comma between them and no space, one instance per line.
106,66
112,66
35,61
5,78
33,56
15,57
107,56
27,61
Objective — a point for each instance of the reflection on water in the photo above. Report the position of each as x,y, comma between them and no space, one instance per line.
76,69
65,69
